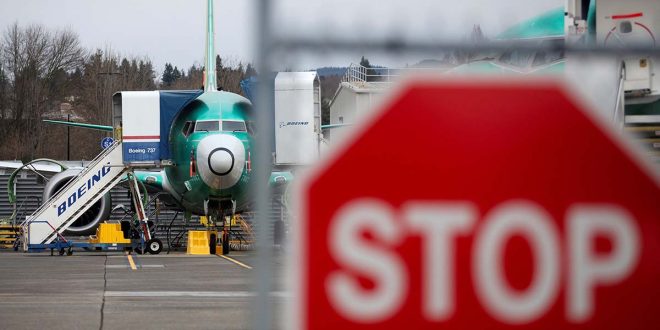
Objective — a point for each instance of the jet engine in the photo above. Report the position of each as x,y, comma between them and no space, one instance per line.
87,222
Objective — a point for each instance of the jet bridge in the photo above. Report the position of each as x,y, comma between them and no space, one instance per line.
143,121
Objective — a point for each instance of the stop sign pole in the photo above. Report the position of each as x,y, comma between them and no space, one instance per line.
480,204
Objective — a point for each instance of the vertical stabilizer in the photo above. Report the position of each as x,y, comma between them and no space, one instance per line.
210,80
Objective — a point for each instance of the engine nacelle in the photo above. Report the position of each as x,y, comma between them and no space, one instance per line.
87,222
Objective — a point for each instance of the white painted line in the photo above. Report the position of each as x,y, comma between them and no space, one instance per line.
142,266
235,261
211,294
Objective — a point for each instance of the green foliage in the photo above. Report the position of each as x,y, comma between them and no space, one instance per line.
370,74
325,112
250,71
47,74
168,75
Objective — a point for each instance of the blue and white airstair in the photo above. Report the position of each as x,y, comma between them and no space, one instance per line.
55,215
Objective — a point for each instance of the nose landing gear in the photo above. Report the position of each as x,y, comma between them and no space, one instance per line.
220,215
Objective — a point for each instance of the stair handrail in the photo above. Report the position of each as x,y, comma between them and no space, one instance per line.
91,164
620,94
20,207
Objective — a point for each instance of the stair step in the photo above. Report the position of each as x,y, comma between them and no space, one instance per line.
642,128
107,177
656,140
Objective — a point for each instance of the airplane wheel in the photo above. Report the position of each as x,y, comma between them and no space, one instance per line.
213,243
138,249
154,246
225,243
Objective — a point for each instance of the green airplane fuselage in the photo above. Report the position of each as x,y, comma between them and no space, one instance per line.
546,30
191,190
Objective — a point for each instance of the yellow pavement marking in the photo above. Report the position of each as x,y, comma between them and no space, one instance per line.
235,261
130,261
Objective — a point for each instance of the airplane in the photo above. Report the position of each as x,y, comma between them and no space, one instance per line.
210,141
545,30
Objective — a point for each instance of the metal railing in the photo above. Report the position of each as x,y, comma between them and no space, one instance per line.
359,74
64,189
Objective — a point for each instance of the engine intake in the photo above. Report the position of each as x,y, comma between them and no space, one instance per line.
87,222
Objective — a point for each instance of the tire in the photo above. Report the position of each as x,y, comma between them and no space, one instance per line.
138,249
154,246
213,243
225,243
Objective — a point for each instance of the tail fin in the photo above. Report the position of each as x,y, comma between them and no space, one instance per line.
210,80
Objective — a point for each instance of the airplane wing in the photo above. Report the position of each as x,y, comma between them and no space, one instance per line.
279,178
83,125
334,125
39,165
154,180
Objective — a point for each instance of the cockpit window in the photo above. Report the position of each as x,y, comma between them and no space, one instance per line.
517,57
207,126
250,127
546,57
522,58
233,126
187,128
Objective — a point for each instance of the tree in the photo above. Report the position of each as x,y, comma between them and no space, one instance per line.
37,62
168,75
250,71
40,69
229,74
3,93
369,73
176,74
325,111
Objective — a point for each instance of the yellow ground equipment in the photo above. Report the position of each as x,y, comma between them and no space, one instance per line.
8,234
243,239
109,233
198,242
204,220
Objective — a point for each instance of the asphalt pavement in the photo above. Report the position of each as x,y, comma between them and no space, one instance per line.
118,291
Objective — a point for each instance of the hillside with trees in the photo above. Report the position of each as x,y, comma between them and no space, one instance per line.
48,75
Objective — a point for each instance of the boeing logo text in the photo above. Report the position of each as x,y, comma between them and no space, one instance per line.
84,188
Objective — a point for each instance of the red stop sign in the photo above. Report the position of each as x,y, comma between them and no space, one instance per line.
480,205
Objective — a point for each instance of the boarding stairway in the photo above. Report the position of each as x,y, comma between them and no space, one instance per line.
639,113
55,215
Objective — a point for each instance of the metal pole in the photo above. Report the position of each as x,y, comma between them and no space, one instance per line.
68,151
264,104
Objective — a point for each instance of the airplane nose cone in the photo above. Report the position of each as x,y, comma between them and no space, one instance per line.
220,160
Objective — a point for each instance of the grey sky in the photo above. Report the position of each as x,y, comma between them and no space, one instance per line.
173,30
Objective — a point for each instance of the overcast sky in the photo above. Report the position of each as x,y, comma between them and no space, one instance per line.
173,30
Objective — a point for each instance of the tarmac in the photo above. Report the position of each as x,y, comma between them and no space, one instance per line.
119,291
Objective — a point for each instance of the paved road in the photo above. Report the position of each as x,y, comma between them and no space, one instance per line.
99,291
